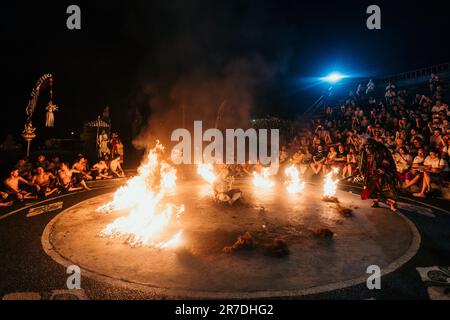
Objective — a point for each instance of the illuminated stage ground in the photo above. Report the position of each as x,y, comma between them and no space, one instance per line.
200,269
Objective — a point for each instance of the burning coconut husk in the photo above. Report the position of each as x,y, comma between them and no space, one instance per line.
330,187
323,233
343,211
331,199
243,242
277,247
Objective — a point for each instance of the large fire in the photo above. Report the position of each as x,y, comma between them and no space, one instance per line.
261,180
142,196
293,183
330,185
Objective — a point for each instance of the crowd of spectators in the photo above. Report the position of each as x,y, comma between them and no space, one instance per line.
43,178
414,127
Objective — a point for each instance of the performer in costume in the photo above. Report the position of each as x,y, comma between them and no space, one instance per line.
378,170
223,190
103,141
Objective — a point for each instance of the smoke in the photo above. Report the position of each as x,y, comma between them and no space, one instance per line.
222,100
195,71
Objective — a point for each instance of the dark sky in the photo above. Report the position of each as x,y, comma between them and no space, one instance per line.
129,51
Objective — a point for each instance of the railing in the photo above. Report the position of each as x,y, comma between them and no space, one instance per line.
418,73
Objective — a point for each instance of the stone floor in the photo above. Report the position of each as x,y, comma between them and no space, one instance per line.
200,268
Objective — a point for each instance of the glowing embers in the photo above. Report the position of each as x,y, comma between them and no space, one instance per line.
293,182
149,219
261,180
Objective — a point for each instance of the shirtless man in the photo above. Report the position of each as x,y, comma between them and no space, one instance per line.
69,181
81,166
116,168
44,181
12,185
100,170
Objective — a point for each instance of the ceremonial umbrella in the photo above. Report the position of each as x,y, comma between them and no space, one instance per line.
99,123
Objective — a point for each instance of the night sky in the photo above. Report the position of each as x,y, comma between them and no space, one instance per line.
142,54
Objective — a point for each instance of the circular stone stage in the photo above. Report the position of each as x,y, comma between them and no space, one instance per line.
199,268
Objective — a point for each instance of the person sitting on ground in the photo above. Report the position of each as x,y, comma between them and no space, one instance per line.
341,159
434,170
301,159
54,165
351,162
284,155
317,160
403,162
116,168
24,168
41,162
46,181
13,188
415,173
330,160
70,181
100,170
81,166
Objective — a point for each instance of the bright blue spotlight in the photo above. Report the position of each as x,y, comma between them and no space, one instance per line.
333,77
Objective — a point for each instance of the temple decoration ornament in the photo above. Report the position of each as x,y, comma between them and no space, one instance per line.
50,117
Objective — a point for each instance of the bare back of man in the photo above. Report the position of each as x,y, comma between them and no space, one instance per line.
13,188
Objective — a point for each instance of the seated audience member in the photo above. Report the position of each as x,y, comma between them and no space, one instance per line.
352,161
341,159
403,162
5,199
415,173
46,181
100,170
81,167
25,169
41,162
284,155
435,170
54,165
71,179
330,160
417,144
12,184
116,168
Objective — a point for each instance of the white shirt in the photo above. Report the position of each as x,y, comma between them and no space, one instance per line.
418,160
436,163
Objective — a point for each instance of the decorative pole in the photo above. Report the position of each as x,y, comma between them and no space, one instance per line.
28,132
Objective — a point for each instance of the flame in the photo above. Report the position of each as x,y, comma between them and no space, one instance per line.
330,185
207,172
148,218
261,180
293,184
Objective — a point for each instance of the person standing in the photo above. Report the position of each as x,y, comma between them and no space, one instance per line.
103,141
378,170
